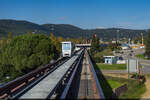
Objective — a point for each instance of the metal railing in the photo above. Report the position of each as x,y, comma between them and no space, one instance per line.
12,87
99,88
66,90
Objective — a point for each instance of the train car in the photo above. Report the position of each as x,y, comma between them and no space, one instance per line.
67,49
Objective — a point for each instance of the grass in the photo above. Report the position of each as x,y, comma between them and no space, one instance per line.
114,84
111,67
105,52
141,56
135,90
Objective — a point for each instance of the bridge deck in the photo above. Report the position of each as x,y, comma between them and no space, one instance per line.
86,88
43,88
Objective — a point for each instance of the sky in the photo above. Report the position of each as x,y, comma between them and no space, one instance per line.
86,14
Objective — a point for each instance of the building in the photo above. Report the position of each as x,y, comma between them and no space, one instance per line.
113,41
110,59
134,46
125,46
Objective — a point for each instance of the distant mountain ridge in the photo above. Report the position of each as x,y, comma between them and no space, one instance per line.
18,27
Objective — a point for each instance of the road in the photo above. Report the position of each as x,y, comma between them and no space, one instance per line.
144,63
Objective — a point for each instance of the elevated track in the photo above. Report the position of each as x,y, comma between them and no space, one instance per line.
73,77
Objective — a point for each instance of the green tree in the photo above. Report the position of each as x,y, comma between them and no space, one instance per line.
56,41
3,41
10,37
25,53
95,47
147,43
29,32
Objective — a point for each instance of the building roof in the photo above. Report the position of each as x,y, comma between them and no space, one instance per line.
109,56
66,42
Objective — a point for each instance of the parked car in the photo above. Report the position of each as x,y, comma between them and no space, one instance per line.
132,51
130,54
120,58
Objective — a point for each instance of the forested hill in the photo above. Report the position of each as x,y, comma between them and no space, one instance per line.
65,30
19,27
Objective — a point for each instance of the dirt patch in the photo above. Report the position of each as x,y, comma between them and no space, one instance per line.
147,84
117,75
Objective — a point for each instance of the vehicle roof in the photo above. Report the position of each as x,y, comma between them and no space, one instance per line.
66,42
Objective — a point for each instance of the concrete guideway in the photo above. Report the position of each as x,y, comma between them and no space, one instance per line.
83,83
44,87
89,86
85,88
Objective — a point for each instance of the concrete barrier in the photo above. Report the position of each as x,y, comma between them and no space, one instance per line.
120,90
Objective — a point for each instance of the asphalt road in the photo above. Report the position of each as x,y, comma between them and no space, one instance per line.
144,63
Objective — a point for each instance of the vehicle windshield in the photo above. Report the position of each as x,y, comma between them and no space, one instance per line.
66,46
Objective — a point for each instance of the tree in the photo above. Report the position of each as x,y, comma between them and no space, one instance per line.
56,42
147,43
3,41
58,47
29,32
10,37
95,45
25,53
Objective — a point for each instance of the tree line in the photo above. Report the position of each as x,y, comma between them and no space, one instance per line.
24,53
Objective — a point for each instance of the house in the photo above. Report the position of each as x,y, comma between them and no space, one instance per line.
110,59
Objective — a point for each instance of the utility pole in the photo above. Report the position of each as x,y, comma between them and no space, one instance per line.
117,36
142,38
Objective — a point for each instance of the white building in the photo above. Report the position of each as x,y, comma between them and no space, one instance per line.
110,59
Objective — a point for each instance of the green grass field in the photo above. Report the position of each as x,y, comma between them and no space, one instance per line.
114,84
111,67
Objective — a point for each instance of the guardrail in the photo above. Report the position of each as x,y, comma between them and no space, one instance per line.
65,93
12,87
99,88
66,90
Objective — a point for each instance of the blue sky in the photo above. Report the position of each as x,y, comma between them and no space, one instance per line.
87,14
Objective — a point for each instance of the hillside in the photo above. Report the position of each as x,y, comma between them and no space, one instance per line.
64,30
111,33
18,27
